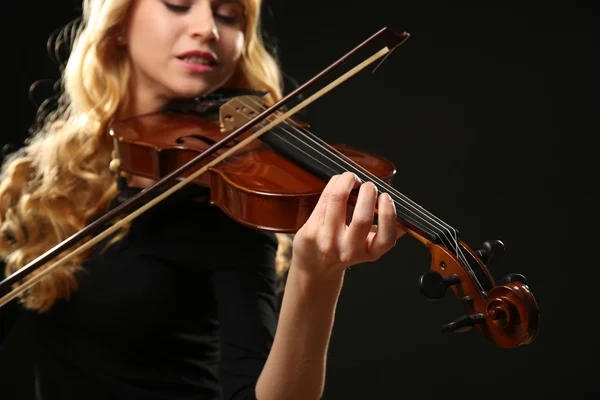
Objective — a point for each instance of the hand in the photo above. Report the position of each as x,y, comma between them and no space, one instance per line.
334,237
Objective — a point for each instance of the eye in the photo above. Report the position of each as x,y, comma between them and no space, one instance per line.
230,13
227,19
176,8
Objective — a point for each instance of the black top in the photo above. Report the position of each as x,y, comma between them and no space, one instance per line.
183,308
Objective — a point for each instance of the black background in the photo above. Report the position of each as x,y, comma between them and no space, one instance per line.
488,112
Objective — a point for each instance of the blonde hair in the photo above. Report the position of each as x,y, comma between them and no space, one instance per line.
70,151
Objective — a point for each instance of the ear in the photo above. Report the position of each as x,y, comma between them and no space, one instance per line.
121,41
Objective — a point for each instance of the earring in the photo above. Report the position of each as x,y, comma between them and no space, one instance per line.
120,39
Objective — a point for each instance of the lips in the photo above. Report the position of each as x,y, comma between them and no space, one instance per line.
206,56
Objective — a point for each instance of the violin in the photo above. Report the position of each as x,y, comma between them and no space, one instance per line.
272,184
266,170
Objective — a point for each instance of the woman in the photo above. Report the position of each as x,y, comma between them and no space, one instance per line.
182,304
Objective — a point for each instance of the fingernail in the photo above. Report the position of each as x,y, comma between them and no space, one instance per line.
387,197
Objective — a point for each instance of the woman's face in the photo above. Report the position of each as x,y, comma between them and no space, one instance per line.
181,48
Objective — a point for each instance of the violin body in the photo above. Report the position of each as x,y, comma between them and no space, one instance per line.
256,185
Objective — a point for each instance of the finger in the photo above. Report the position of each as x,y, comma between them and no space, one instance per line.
400,231
318,213
362,217
337,200
386,235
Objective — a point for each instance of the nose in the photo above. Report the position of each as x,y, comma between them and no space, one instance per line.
203,24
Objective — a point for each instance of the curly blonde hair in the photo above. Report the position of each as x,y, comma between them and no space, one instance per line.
70,151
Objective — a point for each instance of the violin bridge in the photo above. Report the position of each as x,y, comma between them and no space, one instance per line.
238,111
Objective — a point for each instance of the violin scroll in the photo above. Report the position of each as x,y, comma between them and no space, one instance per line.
506,314
512,314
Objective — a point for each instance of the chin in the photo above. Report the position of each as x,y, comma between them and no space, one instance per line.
195,89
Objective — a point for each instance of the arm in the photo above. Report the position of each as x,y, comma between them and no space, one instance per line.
296,365
323,249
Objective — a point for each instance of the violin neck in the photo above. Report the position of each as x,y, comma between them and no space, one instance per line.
316,156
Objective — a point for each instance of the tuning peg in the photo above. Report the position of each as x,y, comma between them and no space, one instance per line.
434,286
491,251
515,278
463,323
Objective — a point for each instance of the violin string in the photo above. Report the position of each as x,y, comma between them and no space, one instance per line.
450,230
342,160
445,228
341,167
432,218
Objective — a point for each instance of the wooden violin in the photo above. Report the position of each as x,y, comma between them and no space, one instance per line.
267,171
272,183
